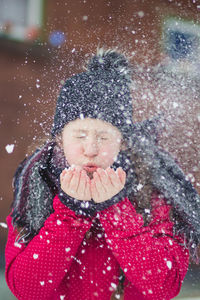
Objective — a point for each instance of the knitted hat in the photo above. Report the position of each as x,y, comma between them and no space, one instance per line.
101,92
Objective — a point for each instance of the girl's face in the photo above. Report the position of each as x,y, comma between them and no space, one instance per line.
91,143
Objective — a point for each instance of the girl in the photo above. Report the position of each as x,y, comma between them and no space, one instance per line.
100,211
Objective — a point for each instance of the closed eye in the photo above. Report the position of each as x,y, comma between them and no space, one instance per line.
80,137
103,138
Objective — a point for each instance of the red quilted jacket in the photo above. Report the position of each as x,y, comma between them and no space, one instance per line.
78,258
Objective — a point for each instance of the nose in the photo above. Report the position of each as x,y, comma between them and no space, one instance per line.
91,147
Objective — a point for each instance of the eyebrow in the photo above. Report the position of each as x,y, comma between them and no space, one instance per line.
86,131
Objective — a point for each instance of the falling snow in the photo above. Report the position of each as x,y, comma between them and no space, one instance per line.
17,245
10,148
139,186
169,264
141,14
4,225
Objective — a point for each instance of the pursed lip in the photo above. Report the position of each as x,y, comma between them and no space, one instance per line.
90,167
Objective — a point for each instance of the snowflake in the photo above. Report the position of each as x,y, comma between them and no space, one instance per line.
169,264
10,148
17,245
4,225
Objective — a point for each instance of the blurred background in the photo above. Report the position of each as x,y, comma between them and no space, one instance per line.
44,42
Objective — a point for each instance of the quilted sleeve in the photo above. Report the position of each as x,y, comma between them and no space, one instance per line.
153,260
35,270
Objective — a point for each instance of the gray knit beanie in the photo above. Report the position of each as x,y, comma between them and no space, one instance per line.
101,92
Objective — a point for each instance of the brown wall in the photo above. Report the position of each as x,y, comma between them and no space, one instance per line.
109,23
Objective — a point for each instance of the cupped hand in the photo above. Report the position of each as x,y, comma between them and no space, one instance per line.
107,183
76,183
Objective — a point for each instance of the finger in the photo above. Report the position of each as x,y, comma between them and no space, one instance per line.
103,176
122,175
75,181
114,179
94,192
82,183
89,182
64,171
99,185
66,176
87,189
62,174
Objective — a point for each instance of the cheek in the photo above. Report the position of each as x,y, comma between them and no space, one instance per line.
108,154
72,153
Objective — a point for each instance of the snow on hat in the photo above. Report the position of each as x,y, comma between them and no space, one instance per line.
101,92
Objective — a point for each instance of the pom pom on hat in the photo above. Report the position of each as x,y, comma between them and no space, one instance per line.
109,60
